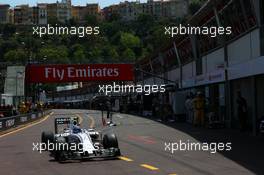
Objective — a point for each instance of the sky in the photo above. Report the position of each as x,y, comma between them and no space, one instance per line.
103,3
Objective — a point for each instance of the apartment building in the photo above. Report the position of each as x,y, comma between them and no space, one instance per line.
175,8
110,11
22,14
93,9
4,13
51,11
34,15
81,12
42,14
76,12
157,8
11,16
167,8
130,10
64,10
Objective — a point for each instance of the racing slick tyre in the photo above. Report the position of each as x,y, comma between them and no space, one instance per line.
110,141
59,152
47,137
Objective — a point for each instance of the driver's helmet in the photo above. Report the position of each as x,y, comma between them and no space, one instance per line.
76,129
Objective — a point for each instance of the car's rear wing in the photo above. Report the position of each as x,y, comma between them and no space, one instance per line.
65,120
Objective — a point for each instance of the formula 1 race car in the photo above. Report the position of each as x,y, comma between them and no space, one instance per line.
72,142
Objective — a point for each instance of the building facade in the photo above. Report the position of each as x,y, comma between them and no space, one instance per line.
110,11
51,12
130,10
76,12
22,14
175,9
217,67
34,15
42,14
155,8
4,13
93,9
11,16
81,12
64,11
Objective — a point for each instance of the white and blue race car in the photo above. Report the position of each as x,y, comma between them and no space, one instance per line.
76,143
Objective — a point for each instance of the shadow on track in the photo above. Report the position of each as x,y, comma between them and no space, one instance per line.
247,150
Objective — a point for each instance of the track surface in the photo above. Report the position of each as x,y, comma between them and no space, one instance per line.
142,143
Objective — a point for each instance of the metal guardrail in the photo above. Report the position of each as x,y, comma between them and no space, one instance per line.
14,121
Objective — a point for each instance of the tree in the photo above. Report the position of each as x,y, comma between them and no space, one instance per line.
53,20
114,17
128,40
78,56
119,41
143,25
110,54
109,29
73,22
128,56
113,55
195,5
95,55
156,39
8,30
7,45
16,56
54,54
91,20
76,47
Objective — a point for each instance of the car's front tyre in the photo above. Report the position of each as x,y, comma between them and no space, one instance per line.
110,141
60,148
46,138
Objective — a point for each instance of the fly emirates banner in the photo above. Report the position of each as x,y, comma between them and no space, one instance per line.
79,73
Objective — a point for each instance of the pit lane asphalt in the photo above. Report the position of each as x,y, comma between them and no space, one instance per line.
142,143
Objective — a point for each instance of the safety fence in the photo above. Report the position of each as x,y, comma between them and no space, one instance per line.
14,121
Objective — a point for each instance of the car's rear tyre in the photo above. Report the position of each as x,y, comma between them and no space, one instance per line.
110,141
118,153
47,137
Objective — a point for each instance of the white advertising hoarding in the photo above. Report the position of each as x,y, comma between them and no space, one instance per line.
15,80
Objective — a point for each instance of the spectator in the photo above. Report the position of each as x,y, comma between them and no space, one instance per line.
188,108
154,107
14,111
108,108
170,113
199,107
242,111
